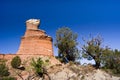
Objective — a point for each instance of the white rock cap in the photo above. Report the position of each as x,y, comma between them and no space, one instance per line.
33,21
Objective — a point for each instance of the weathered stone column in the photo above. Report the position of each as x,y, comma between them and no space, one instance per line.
35,41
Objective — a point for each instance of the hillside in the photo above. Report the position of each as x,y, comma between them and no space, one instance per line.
78,72
69,71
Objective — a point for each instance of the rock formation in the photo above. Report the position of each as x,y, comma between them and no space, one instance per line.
35,41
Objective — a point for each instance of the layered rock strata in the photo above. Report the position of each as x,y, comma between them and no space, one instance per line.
35,41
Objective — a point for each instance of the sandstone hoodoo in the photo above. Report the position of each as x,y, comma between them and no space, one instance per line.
35,41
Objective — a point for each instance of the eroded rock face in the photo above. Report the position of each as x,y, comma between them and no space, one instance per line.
35,41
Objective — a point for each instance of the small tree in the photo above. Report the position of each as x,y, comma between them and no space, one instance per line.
16,62
66,42
93,50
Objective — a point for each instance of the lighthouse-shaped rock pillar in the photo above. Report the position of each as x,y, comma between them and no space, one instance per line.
35,41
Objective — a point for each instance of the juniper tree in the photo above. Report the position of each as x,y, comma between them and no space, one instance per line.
92,49
66,42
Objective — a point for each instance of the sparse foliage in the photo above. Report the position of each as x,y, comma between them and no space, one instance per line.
66,42
93,50
38,66
3,70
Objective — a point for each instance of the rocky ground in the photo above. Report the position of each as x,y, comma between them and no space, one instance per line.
68,71
78,72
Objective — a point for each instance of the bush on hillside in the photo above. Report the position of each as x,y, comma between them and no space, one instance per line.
38,66
3,70
16,62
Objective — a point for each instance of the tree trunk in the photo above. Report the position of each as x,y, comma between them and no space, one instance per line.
97,65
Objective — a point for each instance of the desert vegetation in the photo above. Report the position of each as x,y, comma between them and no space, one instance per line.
16,62
66,42
4,71
104,57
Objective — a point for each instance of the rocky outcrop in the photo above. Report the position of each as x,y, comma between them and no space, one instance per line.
35,41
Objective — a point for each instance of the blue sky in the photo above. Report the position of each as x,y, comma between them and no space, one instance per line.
82,16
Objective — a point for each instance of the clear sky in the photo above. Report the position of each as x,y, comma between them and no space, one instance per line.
82,16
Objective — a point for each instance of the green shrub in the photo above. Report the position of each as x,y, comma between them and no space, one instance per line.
16,62
3,70
38,66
